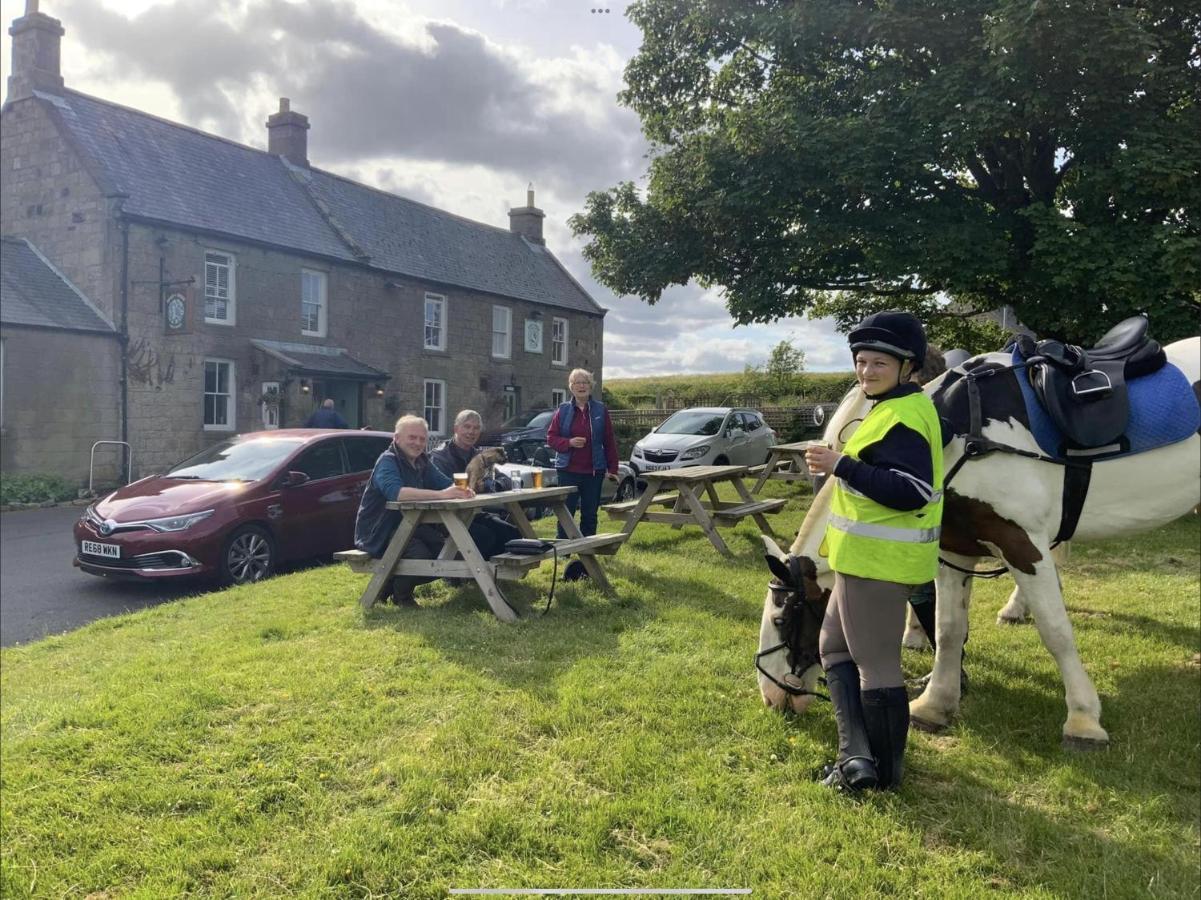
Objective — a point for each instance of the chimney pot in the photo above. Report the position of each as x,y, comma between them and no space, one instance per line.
527,220
287,134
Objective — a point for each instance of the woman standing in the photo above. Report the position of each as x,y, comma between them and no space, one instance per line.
581,434
882,539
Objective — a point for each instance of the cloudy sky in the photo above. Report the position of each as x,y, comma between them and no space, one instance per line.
456,103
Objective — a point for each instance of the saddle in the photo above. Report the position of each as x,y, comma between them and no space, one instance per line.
1084,390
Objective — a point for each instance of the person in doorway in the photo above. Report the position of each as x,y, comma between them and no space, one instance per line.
882,540
581,434
325,416
404,472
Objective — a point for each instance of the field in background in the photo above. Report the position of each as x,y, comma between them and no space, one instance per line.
273,740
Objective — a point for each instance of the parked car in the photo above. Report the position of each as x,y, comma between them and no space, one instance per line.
705,436
235,511
521,435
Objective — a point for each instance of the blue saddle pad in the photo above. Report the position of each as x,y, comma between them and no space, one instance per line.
1163,410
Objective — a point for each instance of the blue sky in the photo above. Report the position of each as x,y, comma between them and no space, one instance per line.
456,103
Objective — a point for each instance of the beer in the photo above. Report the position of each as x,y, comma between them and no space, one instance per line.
826,445
461,479
537,478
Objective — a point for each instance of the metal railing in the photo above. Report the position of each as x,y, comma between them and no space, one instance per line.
128,462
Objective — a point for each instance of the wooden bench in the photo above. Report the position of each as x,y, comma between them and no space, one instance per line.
619,510
359,562
736,513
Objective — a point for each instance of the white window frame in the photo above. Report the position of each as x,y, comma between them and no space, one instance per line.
322,281
440,342
270,411
558,396
502,336
555,360
439,386
231,408
231,298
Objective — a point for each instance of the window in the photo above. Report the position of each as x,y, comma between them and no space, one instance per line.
218,395
219,293
750,422
558,396
502,332
435,405
322,461
269,400
558,342
435,322
312,303
362,452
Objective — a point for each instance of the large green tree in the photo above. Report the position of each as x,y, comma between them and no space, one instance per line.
832,157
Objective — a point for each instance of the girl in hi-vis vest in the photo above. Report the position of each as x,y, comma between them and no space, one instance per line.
881,540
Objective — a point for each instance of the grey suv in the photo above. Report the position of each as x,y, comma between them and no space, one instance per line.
705,436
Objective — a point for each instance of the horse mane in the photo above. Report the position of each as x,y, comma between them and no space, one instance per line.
815,517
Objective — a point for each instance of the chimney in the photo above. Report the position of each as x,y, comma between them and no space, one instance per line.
286,135
35,54
527,220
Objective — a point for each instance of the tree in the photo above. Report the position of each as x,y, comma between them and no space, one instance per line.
833,157
779,376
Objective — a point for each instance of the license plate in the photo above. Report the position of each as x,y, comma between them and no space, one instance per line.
95,549
655,467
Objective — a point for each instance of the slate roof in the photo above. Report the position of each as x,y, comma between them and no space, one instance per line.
178,175
315,359
33,292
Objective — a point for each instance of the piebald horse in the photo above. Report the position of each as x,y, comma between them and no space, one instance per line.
1003,506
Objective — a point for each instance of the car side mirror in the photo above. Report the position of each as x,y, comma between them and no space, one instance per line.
294,479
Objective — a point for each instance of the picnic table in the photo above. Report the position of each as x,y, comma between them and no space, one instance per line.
785,462
461,558
681,489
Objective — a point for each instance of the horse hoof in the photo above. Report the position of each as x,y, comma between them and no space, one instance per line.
926,725
1012,620
1078,744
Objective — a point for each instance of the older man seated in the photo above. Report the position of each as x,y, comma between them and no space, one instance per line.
454,455
404,472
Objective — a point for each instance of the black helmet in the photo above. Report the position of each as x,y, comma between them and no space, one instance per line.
896,333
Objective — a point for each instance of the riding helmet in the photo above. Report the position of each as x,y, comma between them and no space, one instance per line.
896,333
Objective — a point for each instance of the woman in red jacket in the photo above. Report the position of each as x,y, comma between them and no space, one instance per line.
581,434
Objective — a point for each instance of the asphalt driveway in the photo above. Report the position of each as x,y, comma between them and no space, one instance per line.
41,593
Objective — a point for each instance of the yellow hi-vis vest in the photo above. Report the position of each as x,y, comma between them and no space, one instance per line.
870,540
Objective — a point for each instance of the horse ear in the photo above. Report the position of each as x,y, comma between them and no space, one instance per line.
779,568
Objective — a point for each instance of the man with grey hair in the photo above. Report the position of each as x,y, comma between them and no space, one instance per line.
325,416
453,455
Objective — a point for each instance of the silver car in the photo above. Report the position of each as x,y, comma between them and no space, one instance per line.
705,436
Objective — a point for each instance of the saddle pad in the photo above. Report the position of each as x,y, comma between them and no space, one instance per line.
1163,410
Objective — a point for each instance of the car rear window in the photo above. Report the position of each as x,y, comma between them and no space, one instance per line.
362,452
236,460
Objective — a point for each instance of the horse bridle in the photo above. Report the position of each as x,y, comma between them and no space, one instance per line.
787,621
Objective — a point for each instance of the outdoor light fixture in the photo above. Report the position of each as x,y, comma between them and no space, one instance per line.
379,389
304,385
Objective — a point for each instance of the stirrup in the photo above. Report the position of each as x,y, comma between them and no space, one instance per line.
853,774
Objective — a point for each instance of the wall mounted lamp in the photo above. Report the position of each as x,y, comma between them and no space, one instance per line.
379,389
304,386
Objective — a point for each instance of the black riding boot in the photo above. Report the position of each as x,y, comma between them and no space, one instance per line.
854,769
886,716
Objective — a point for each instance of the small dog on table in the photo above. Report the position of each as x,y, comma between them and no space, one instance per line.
482,466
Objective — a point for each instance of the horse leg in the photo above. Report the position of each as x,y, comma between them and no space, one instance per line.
1082,729
939,702
1014,611
915,636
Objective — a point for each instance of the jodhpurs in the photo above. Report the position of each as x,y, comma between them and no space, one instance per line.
864,622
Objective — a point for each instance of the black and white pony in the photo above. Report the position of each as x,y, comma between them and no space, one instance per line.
1001,505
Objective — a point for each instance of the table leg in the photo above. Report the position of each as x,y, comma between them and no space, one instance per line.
479,567
680,506
766,473
711,490
703,519
392,555
588,560
520,520
644,502
759,518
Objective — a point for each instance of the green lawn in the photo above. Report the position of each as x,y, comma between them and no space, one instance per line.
274,740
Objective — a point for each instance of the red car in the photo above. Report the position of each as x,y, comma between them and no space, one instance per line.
236,510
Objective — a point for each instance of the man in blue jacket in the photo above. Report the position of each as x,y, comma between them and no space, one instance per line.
326,416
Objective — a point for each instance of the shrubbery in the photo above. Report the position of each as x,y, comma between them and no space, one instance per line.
35,489
733,389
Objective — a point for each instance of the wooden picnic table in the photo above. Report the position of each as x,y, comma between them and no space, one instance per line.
681,490
786,462
461,558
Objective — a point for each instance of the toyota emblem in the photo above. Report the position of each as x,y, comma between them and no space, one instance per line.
106,528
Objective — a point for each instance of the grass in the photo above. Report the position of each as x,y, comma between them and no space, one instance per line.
274,740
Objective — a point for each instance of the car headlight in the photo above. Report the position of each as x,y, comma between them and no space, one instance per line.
695,452
177,523
638,449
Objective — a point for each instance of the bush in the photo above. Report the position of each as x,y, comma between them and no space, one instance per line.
35,489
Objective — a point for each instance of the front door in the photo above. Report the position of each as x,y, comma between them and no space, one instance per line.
346,396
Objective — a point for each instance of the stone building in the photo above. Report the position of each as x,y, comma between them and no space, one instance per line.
241,287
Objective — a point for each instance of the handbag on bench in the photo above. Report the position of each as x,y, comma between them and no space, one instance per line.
536,547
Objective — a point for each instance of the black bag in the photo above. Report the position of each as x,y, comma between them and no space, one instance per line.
528,546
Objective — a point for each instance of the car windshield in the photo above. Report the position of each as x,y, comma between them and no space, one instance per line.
236,460
692,421
529,420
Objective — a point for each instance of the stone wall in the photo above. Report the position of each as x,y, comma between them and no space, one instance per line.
61,394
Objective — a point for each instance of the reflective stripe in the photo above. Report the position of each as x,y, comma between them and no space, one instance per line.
846,486
886,532
935,497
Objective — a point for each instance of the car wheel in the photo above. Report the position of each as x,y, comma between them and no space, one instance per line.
249,555
721,461
625,490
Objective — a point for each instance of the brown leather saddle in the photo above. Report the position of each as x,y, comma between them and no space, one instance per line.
1084,390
